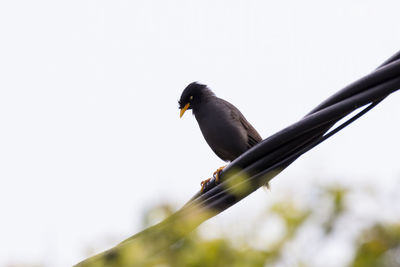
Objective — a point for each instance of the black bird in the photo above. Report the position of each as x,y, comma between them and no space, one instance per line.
224,127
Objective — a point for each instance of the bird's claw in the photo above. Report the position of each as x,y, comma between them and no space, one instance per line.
203,184
215,176
217,173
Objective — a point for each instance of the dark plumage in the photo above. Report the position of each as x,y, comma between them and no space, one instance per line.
224,127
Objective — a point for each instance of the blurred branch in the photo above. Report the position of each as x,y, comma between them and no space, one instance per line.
257,166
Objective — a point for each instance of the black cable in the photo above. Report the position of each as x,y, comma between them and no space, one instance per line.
328,115
265,160
285,162
217,198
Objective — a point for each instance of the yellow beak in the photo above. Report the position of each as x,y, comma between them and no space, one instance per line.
184,109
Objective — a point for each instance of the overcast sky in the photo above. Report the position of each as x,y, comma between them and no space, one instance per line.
90,135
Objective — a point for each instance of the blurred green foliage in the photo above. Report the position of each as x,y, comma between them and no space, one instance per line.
379,246
376,246
196,251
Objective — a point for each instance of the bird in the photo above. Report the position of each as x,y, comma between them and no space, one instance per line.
223,126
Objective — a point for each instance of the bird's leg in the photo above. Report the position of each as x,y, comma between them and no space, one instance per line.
217,172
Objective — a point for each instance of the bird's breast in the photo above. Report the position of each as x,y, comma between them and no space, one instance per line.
226,137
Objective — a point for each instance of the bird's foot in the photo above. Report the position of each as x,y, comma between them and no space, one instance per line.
217,173
215,176
203,184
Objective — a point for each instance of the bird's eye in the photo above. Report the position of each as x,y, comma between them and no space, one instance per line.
191,97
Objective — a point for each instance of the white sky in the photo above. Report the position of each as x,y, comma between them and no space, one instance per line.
90,135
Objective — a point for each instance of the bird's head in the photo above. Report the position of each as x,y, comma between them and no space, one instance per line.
192,96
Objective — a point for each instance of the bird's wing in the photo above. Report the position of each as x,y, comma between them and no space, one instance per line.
253,137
